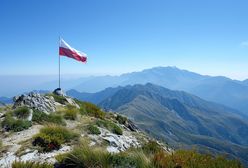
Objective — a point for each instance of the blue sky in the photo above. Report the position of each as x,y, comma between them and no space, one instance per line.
208,37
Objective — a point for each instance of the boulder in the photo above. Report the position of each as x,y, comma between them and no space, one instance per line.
131,126
117,143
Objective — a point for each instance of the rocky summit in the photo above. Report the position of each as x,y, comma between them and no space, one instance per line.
33,129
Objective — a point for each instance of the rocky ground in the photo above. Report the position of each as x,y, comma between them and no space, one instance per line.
18,145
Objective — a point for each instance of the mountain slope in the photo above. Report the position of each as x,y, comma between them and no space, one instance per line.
181,118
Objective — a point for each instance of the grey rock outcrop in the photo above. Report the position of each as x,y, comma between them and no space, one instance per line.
117,143
131,126
36,101
44,103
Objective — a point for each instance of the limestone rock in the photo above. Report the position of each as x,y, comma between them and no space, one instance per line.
131,126
36,101
117,143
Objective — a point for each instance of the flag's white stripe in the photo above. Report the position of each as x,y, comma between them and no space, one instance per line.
65,45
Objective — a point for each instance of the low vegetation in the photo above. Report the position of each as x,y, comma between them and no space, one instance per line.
41,118
93,129
52,137
22,112
139,158
110,126
85,157
151,147
57,98
71,112
11,124
88,157
29,164
90,109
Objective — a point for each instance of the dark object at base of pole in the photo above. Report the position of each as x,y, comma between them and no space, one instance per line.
58,92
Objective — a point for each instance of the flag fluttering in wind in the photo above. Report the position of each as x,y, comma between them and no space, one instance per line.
66,50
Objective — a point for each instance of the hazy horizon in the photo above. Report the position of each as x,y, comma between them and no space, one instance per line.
75,76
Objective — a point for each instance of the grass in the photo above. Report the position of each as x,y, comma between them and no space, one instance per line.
110,126
41,118
16,125
22,112
57,98
135,159
84,156
29,164
151,147
87,157
93,129
71,112
52,137
90,109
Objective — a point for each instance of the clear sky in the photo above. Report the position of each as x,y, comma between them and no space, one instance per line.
204,36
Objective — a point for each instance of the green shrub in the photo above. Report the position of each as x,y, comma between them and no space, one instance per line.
22,112
121,119
16,125
94,130
110,126
41,117
29,164
117,130
52,137
190,158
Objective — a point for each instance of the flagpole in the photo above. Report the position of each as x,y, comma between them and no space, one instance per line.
59,61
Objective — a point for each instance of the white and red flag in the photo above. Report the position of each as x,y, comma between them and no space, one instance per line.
66,50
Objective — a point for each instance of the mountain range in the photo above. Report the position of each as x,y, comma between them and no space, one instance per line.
177,117
219,89
232,93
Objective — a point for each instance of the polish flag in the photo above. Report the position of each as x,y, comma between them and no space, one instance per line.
68,51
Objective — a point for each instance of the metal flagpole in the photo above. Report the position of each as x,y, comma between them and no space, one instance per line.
59,62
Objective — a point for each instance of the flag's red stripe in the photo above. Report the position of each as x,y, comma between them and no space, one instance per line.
71,54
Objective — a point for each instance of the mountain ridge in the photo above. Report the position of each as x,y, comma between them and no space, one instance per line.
219,89
177,116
